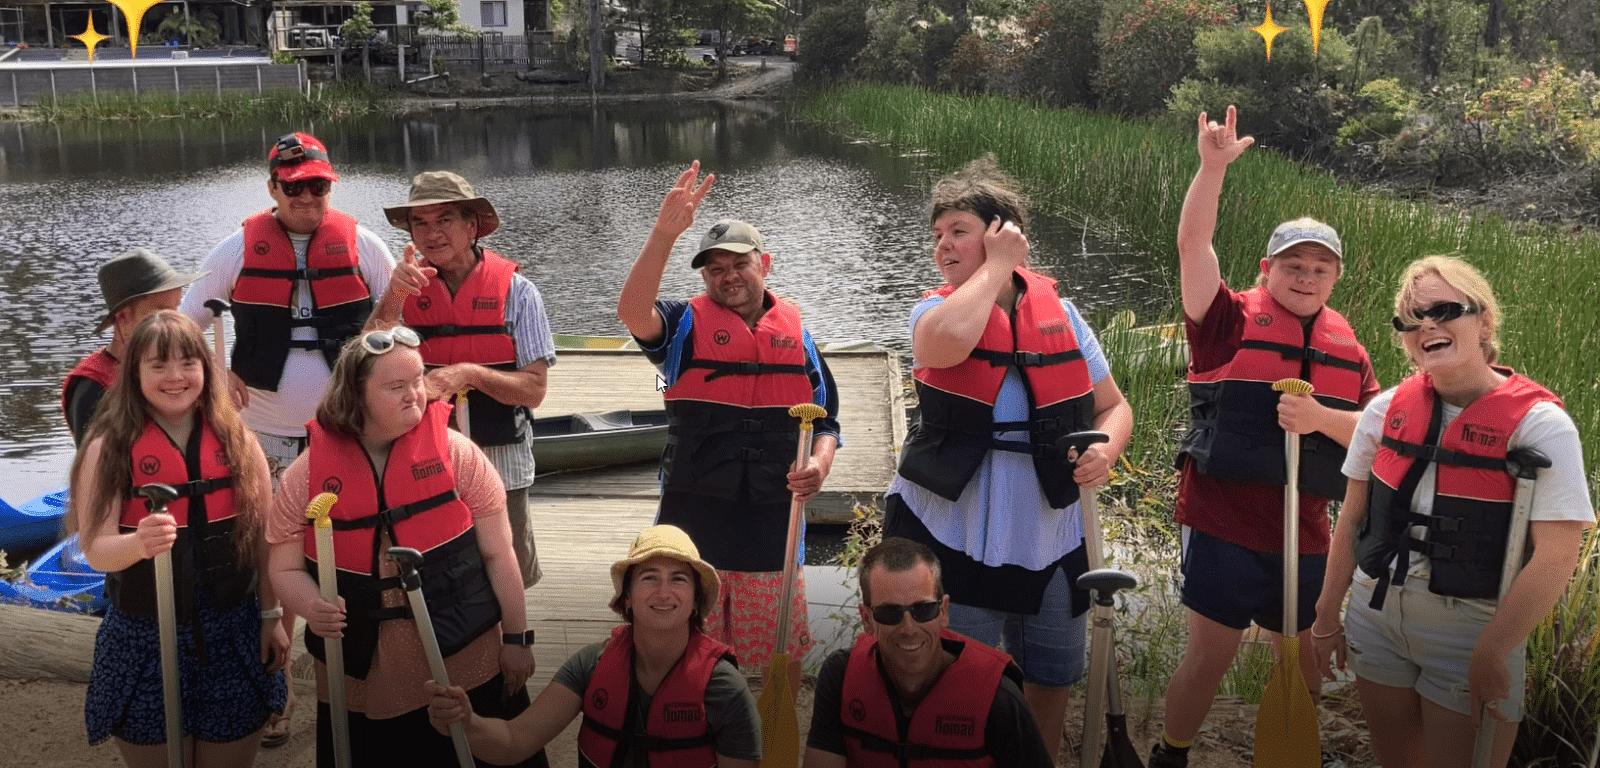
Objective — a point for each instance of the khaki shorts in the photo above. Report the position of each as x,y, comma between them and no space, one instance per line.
743,617
1424,641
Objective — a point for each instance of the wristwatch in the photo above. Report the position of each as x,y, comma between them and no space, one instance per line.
517,638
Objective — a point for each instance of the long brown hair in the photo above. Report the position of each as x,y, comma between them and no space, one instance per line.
122,416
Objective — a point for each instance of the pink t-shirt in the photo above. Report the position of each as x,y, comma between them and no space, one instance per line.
1247,514
394,683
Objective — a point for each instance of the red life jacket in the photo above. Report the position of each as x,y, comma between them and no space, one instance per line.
955,425
471,327
1471,517
1233,431
341,298
204,554
418,507
675,733
729,433
100,369
948,727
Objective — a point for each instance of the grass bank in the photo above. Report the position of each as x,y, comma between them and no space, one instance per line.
342,100
1130,179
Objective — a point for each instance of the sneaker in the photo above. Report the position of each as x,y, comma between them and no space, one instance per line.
1163,756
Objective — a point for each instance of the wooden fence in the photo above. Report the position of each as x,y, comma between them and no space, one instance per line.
28,84
494,52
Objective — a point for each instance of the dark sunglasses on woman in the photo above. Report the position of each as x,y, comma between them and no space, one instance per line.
890,614
1443,312
380,342
318,187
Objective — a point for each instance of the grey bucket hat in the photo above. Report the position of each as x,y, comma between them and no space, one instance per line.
135,273
436,187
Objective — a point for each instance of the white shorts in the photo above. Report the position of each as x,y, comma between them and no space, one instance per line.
1424,641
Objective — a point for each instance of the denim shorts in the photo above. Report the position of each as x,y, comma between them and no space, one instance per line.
1233,585
1049,645
1424,641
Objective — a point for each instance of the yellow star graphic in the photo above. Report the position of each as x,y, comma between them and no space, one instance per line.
133,11
1269,30
1314,9
91,37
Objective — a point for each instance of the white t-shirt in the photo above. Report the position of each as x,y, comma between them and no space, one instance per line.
305,373
1561,492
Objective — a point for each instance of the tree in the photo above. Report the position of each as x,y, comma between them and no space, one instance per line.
359,27
201,27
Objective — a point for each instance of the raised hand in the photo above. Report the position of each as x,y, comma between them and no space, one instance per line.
681,202
410,274
1220,144
1004,245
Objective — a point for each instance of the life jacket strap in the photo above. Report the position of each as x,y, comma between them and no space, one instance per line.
720,368
645,741
999,359
1291,352
389,517
1438,455
449,329
903,751
310,273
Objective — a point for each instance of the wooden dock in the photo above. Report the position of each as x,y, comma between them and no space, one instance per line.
871,415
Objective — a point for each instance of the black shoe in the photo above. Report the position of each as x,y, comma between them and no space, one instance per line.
1163,756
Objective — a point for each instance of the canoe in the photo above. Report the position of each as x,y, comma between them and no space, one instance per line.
34,524
59,580
589,440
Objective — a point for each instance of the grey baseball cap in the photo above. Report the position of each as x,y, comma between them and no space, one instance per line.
1304,230
728,235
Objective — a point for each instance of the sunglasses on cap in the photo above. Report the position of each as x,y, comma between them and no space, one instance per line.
290,150
318,187
1442,312
380,342
890,614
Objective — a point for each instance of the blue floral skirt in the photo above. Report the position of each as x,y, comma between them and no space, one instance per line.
226,698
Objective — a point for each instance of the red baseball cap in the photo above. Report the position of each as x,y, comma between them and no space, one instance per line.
299,156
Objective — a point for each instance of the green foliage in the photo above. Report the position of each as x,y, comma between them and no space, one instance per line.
1147,48
1563,704
1288,102
442,16
1550,113
201,29
340,100
283,57
358,28
967,70
831,38
1380,110
1055,57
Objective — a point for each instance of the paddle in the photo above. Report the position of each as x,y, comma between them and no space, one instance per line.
1104,692
409,560
1523,464
1286,722
463,413
156,497
218,328
780,725
328,583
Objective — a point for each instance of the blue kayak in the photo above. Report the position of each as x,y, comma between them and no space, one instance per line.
59,580
32,525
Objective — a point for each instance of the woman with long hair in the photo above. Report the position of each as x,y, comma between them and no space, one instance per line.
1423,535
168,420
403,478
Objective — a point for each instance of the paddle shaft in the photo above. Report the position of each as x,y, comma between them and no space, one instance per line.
167,623
463,414
1099,634
797,515
430,646
1291,536
327,582
1527,473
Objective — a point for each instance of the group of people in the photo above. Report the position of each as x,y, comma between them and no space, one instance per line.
345,366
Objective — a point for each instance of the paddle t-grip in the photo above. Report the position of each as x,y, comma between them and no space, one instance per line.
217,307
157,496
1070,447
408,560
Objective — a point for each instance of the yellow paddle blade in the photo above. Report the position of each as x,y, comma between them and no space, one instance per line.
780,724
1286,723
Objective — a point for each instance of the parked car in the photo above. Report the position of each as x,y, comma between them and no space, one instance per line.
762,46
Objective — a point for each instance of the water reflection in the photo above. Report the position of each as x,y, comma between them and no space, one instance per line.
577,189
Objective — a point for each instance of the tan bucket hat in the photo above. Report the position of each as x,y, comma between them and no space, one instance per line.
134,273
436,187
666,541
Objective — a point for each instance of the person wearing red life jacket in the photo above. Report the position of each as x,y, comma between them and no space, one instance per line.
1004,366
1422,537
167,419
1232,465
301,278
483,329
910,691
734,360
403,478
659,693
136,284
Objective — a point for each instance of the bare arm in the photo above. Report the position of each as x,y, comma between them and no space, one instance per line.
524,386
946,334
1337,575
105,547
1113,416
1197,261
408,279
816,758
636,307
805,484
505,741
1303,415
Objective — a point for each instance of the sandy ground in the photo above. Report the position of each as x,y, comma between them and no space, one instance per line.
46,731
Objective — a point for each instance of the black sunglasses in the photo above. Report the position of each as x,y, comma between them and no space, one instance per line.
890,614
1443,312
318,187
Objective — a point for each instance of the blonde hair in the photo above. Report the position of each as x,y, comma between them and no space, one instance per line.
1461,276
121,419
